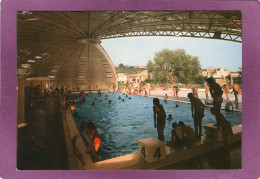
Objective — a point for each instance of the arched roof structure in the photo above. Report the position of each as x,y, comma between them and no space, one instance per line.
65,46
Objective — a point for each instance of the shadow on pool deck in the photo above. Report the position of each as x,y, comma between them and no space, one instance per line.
213,160
50,155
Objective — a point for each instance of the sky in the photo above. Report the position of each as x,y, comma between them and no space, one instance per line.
138,50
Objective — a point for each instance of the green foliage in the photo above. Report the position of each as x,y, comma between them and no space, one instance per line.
168,62
128,70
121,65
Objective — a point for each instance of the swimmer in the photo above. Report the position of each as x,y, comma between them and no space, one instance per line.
100,101
110,101
91,131
228,105
106,96
130,98
165,97
82,100
99,93
177,105
93,103
76,114
73,107
126,96
119,97
169,117
95,98
123,100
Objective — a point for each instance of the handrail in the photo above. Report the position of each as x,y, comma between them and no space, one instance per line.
77,152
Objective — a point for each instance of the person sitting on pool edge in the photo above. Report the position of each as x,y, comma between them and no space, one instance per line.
188,134
177,136
159,118
169,117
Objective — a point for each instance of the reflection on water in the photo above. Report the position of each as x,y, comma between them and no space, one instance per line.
122,123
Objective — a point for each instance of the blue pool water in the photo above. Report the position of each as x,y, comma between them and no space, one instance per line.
122,124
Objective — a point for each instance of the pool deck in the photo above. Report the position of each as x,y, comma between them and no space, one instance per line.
159,93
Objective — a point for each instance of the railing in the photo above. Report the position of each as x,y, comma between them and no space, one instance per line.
77,152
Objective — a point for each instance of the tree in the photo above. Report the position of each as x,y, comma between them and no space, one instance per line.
174,62
121,65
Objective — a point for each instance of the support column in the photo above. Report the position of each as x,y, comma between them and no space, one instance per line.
20,101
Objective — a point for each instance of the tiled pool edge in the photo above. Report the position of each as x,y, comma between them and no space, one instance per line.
70,130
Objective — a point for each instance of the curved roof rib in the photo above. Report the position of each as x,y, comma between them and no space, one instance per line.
49,43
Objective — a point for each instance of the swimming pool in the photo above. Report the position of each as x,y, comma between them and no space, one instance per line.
122,123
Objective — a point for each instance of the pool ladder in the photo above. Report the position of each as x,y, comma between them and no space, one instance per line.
76,150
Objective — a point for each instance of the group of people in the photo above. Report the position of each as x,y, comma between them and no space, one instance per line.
183,134
135,91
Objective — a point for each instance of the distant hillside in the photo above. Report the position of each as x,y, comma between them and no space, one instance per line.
128,70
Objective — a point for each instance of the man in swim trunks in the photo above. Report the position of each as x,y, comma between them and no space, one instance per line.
198,113
226,91
216,92
207,92
159,118
236,90
177,136
188,134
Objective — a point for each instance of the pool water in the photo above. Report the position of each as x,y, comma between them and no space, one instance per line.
122,123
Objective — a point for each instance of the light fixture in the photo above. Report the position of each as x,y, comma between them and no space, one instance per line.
33,19
25,65
31,61
38,57
51,76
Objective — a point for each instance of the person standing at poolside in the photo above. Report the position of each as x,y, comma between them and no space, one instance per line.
226,91
216,92
165,97
159,118
225,126
173,91
236,90
198,113
207,92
